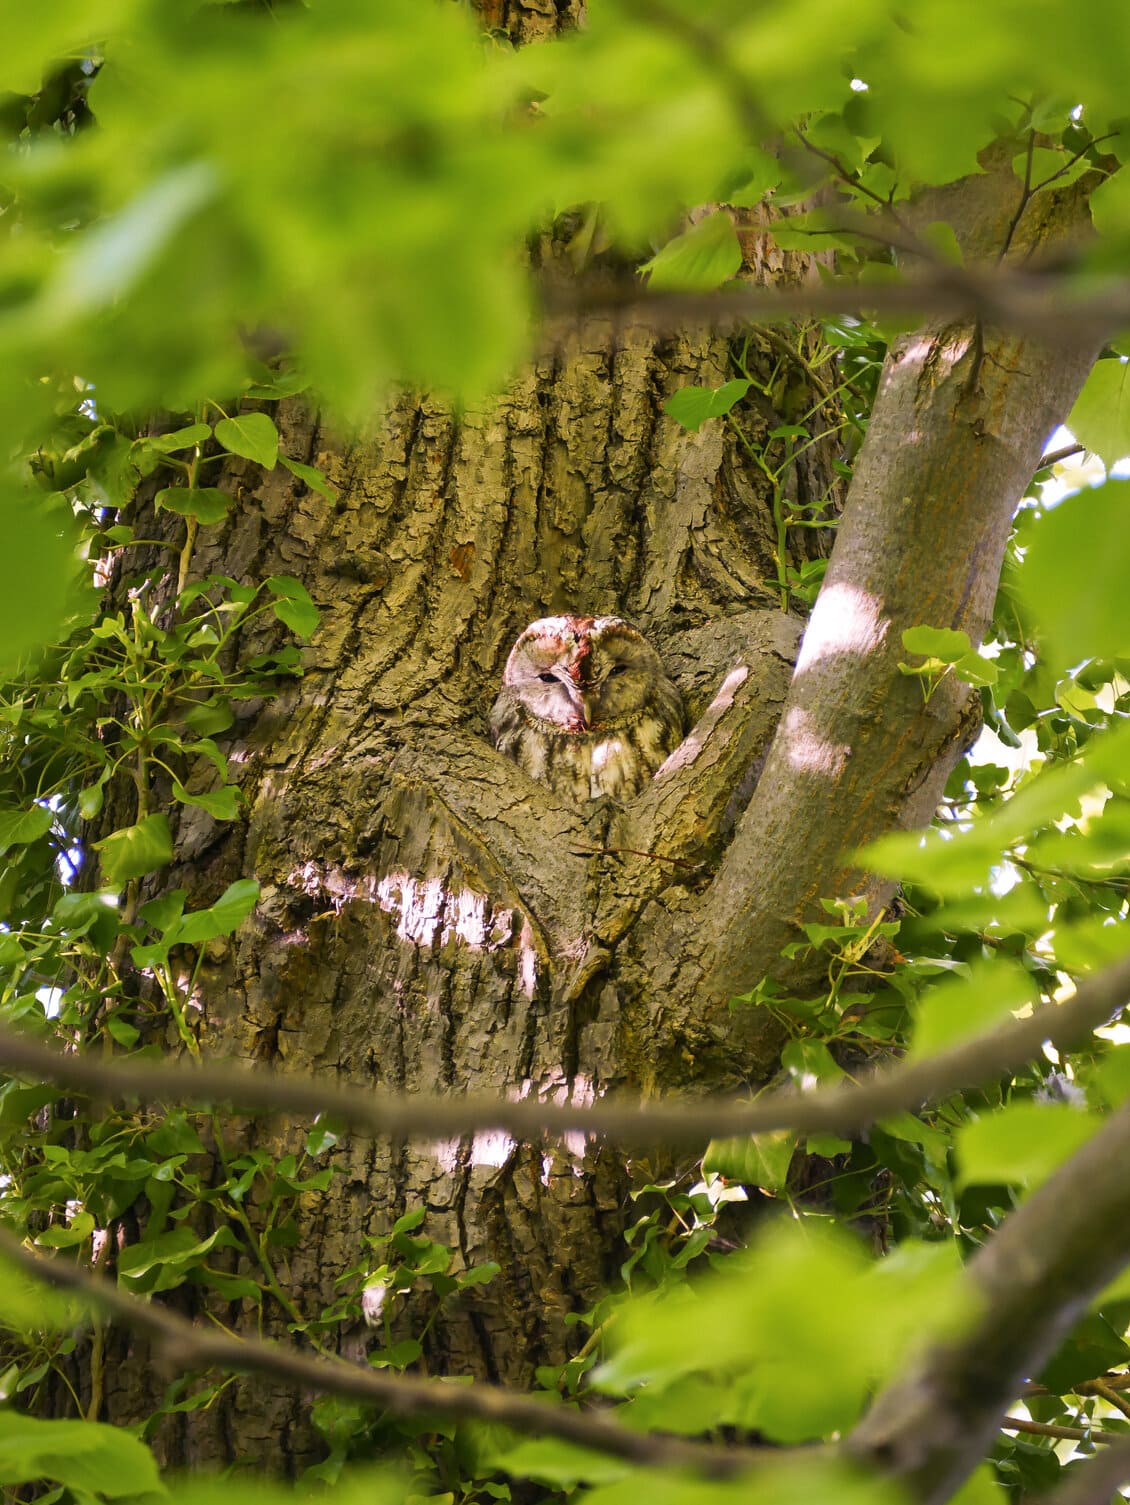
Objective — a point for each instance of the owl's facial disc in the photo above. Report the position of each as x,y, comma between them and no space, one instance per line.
550,692
582,674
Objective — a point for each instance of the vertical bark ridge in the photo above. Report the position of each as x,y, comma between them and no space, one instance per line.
393,943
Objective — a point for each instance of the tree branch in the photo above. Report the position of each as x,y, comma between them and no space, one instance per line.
1033,1280
1047,307
1096,1482
842,1109
1053,1429
688,807
191,1347
954,439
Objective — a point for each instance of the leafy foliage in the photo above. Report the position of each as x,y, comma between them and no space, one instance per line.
369,186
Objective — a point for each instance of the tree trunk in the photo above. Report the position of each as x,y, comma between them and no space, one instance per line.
432,919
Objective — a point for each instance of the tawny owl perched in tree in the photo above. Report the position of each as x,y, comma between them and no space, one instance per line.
586,707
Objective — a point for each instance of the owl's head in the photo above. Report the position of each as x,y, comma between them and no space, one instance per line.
583,674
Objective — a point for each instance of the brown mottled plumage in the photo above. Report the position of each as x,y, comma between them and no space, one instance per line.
586,707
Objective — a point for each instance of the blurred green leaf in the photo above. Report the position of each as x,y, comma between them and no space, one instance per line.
699,260
795,1480
110,257
962,1007
1100,419
37,570
807,1365
86,1456
1022,1143
1074,573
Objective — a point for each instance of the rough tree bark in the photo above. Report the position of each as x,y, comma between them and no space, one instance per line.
432,919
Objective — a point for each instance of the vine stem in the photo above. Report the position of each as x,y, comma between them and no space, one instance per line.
97,1341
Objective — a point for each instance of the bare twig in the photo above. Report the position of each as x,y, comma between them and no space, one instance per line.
193,1347
1057,456
1053,1429
835,1110
1111,1396
1098,1386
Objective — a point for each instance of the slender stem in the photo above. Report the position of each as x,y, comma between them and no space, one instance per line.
1053,1429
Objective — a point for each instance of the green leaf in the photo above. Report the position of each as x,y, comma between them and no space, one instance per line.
943,239
951,864
1021,1144
186,438
559,1465
977,671
409,1220
763,1161
1074,573
399,1356
937,642
208,504
804,1367
692,406
293,605
20,827
163,913
962,1007
221,804
210,716
479,1275
313,478
174,1135
270,385
27,1306
37,570
252,435
230,1287
1048,162
699,260
124,1033
108,259
86,1456
321,1137
90,799
165,1262
222,918
791,1480
135,850
1100,419
1092,1347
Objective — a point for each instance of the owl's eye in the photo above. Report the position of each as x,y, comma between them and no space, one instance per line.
616,669
547,679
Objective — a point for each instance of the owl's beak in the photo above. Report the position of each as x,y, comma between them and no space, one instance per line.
582,704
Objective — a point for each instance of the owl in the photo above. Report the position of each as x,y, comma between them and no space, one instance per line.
587,707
